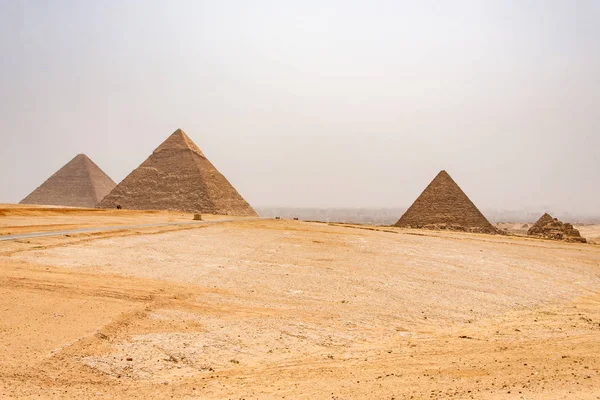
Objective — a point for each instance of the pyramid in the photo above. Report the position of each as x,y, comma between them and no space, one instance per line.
443,205
540,224
80,183
551,228
177,176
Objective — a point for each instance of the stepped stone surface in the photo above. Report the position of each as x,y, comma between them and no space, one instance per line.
443,205
551,228
177,176
80,183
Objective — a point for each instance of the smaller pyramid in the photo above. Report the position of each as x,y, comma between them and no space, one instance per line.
178,176
551,228
540,224
79,183
443,205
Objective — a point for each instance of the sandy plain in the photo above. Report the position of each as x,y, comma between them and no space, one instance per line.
289,309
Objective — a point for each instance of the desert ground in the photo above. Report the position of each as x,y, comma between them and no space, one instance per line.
274,309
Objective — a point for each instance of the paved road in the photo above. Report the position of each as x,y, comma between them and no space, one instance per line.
115,228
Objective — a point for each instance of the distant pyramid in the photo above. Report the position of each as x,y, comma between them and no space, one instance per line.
177,176
80,183
540,224
444,205
551,228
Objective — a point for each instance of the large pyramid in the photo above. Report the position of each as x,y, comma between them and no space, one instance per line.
443,205
177,176
80,183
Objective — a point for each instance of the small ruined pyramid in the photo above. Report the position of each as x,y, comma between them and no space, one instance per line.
80,183
540,224
551,228
177,176
443,205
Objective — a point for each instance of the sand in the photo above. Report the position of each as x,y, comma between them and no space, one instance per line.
31,218
291,309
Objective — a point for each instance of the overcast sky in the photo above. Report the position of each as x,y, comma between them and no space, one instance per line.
312,103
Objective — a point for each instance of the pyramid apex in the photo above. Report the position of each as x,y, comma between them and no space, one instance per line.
444,175
543,220
178,140
79,158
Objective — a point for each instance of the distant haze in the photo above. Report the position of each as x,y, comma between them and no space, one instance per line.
313,103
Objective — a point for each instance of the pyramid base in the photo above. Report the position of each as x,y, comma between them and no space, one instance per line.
455,228
561,237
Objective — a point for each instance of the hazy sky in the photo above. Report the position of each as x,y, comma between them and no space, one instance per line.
312,103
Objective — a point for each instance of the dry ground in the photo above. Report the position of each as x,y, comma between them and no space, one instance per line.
17,219
591,232
296,310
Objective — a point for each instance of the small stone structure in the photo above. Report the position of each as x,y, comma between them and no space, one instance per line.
551,228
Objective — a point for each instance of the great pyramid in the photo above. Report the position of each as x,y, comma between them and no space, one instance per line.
443,205
551,228
80,183
177,176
